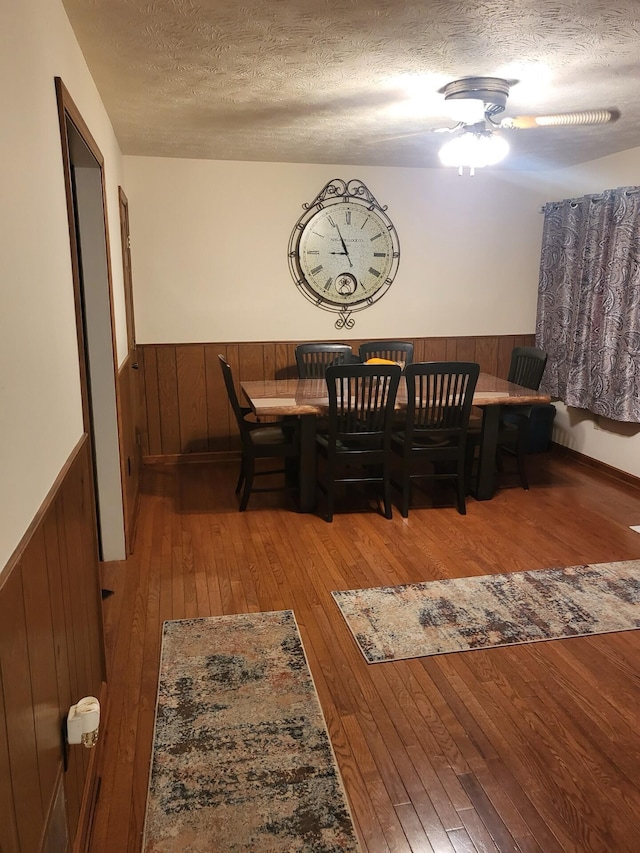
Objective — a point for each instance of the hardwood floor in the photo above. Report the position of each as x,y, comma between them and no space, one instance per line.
526,748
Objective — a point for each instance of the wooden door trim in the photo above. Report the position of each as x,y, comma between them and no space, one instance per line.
67,110
131,388
128,285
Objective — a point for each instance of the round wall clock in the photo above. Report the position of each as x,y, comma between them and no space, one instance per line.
344,251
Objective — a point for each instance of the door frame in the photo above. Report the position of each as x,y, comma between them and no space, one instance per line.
129,424
68,112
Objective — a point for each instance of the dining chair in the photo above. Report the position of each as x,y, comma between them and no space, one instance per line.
313,359
526,368
355,448
400,352
432,444
258,442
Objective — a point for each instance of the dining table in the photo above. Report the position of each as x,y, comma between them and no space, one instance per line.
307,400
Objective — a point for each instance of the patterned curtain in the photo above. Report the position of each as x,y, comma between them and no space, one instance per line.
589,303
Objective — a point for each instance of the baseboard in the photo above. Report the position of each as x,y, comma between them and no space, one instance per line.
234,456
186,458
597,465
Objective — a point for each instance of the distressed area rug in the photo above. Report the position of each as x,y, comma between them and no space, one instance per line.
436,617
241,757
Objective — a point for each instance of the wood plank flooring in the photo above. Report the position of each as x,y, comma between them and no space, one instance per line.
532,748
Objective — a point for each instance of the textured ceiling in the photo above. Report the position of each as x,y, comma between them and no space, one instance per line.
332,81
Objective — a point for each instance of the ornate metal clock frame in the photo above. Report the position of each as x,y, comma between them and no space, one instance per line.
344,251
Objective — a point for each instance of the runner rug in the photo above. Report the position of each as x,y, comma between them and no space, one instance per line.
241,757
436,617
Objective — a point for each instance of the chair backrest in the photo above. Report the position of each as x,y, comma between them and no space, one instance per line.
233,396
362,399
527,366
398,351
439,396
313,359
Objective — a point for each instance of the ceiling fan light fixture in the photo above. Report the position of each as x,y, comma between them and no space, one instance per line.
467,110
474,151
492,92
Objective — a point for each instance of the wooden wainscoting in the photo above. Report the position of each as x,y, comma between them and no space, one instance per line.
51,655
130,415
186,409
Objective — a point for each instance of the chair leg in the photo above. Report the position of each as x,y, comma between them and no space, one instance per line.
521,470
240,477
461,488
329,488
386,487
406,491
329,497
248,468
521,446
470,458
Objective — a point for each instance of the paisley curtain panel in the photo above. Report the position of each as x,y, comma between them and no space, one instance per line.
589,303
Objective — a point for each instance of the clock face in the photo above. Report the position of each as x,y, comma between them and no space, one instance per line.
347,254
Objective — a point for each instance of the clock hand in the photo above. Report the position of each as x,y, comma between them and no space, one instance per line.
344,246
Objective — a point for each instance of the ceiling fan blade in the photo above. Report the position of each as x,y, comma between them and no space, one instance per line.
603,116
411,133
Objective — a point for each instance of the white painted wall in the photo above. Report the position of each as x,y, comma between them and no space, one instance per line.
40,408
209,251
608,441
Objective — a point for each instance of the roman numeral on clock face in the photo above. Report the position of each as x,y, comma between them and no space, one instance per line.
316,270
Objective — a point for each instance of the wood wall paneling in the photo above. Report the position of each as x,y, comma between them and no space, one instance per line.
152,438
128,391
192,399
51,655
168,399
186,410
255,361
285,361
42,661
219,415
8,826
233,357
486,353
434,349
64,645
467,349
80,612
20,714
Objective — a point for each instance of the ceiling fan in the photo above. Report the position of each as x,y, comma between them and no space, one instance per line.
476,103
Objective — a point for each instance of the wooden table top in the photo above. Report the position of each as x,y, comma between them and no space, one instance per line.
309,396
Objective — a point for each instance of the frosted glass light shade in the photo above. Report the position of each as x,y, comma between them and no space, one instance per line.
467,110
474,150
